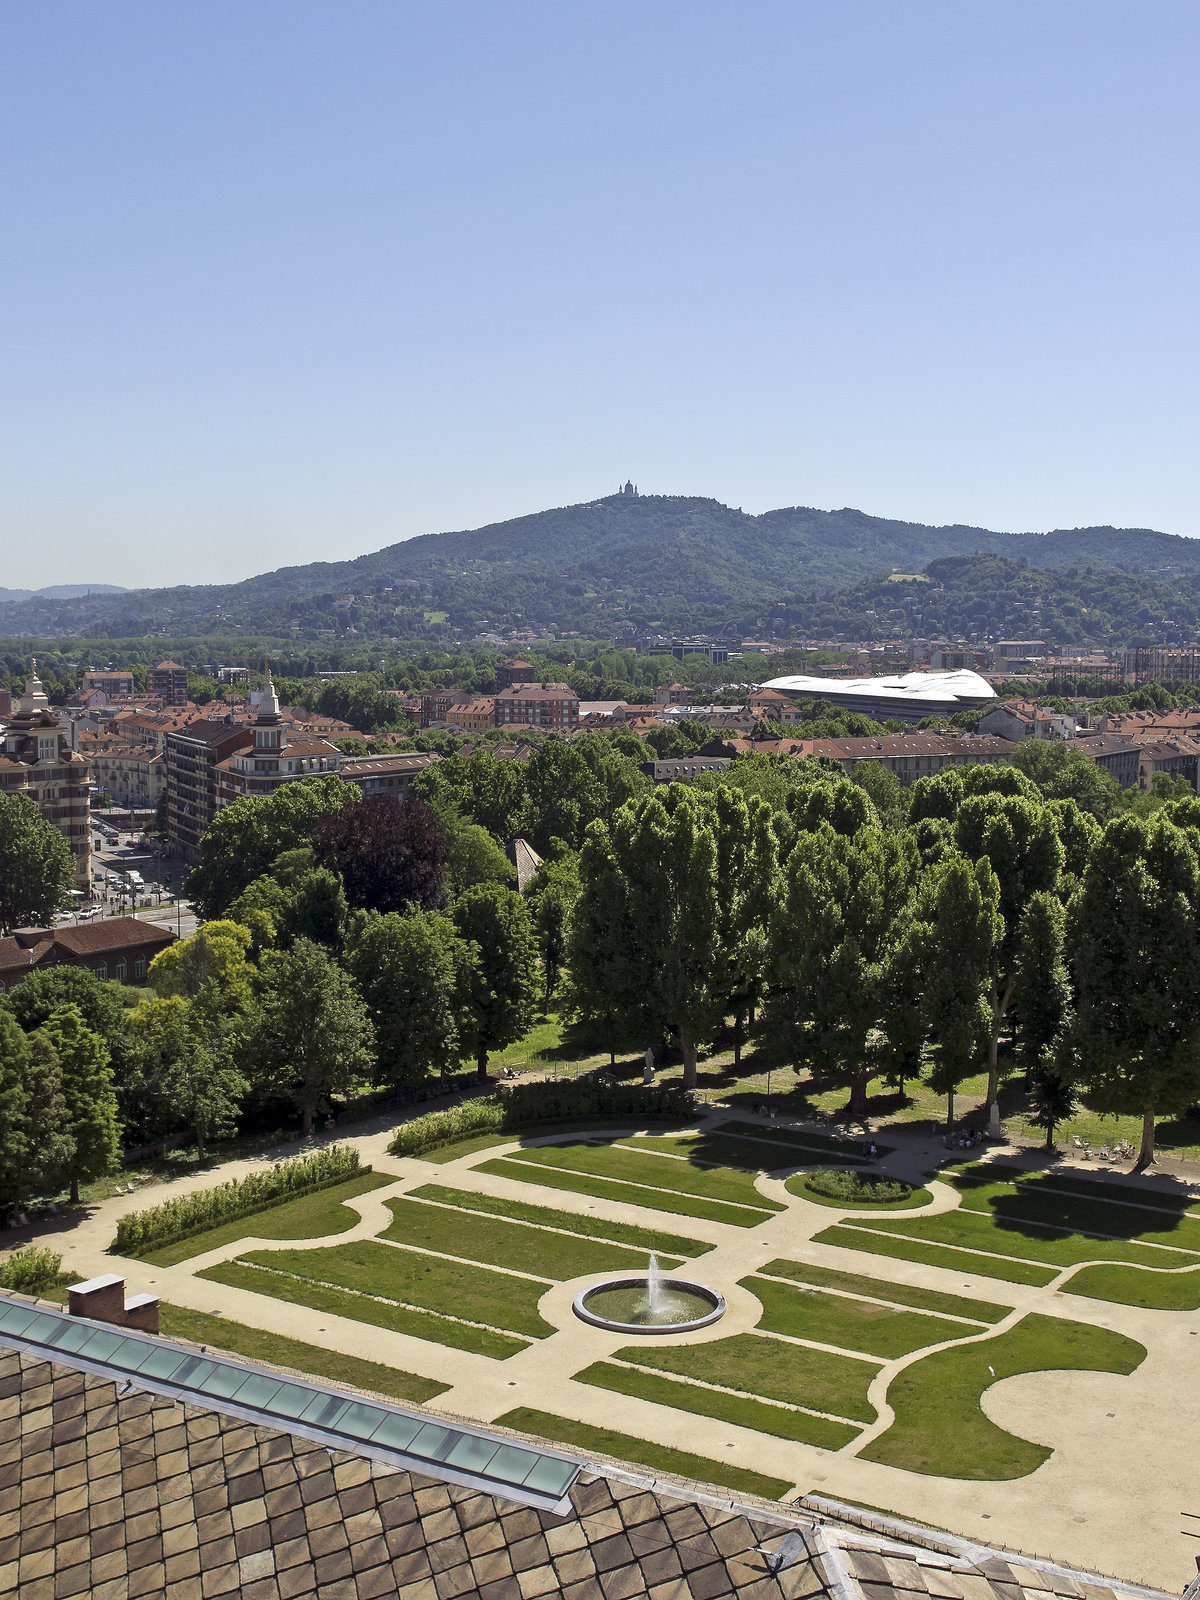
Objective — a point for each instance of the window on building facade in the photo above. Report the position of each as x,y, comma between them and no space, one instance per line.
122,972
139,967
102,972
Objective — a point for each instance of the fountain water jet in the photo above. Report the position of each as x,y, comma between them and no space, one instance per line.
652,1304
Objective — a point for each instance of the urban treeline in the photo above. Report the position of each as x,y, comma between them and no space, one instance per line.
1025,918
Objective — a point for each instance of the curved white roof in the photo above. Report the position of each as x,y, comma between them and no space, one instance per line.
912,688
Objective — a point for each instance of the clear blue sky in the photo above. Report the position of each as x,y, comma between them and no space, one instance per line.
288,281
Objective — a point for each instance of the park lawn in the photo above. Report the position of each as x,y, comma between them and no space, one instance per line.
361,1308
910,1202
1038,1204
500,1243
935,1255
220,1333
769,1369
683,1205
849,1324
940,1428
455,1288
1096,1189
803,1140
743,1412
624,1447
1029,1240
310,1216
905,1294
463,1147
721,1150
589,1226
1130,1286
641,1165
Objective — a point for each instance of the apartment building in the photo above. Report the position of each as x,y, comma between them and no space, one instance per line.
269,758
108,680
387,774
192,755
129,774
473,716
38,762
511,671
552,706
169,682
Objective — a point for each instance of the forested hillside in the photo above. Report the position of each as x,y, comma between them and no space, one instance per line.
622,566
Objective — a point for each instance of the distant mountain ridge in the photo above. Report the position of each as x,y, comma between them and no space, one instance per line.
619,565
59,591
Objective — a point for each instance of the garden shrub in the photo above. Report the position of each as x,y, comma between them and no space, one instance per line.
528,1105
173,1220
33,1270
856,1188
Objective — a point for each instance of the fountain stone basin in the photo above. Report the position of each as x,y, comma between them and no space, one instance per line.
649,1304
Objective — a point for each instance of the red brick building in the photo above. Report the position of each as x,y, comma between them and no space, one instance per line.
552,706
117,948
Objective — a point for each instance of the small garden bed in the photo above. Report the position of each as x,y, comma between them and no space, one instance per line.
839,1186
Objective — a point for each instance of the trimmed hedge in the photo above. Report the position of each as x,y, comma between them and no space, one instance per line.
528,1105
173,1220
836,1183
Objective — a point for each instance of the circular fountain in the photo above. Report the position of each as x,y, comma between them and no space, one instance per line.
650,1304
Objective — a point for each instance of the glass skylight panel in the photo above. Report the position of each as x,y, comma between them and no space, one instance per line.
551,1475
289,1401
396,1432
512,1464
470,1452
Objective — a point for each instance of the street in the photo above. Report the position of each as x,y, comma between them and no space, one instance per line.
118,854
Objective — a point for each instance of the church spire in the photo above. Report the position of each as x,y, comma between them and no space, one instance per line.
34,699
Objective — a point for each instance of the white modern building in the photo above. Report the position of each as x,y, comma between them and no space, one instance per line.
909,697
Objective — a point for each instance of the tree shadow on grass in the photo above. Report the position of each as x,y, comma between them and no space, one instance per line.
1093,1207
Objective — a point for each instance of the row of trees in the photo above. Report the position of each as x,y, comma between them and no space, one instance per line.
864,947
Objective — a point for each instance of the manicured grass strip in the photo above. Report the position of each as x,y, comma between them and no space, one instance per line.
850,1324
477,1293
222,1334
358,1308
1156,1291
940,1428
1075,1213
904,1294
743,1413
742,1155
1029,1241
311,1216
464,1147
771,1370
801,1137
909,1202
606,1189
587,1224
500,1243
659,1172
658,1457
1089,1188
935,1255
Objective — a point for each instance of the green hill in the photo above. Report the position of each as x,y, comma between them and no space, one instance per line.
614,567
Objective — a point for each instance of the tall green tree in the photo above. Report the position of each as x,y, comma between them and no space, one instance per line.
14,1144
186,1073
550,898
411,971
960,924
499,1000
244,838
308,1032
37,869
1018,837
210,967
1044,985
665,851
603,981
1134,945
843,906
91,1104
746,869
47,1126
297,899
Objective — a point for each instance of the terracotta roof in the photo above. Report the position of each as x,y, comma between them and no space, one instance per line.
17,956
538,691
111,933
114,1491
412,760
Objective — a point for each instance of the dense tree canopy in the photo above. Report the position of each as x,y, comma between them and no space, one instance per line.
37,869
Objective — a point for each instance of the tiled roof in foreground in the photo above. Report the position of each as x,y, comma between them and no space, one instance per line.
112,1492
